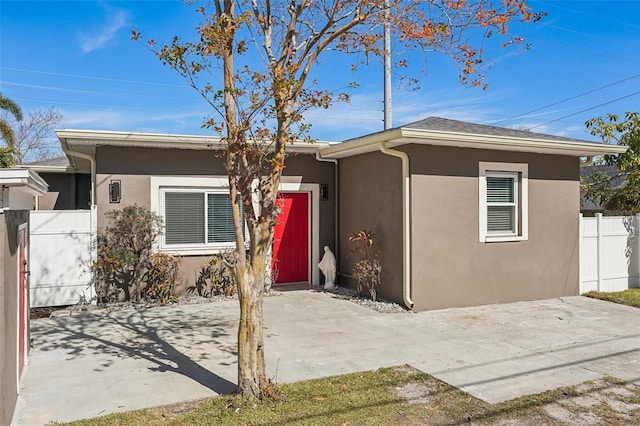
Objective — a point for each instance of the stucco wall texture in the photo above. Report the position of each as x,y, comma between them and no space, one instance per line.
371,200
450,267
135,166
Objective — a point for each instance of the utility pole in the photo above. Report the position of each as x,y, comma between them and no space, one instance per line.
387,67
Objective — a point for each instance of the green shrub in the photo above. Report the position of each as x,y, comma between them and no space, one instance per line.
161,278
216,277
124,253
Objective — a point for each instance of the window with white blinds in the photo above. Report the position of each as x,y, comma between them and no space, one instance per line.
197,218
502,195
503,202
220,219
184,218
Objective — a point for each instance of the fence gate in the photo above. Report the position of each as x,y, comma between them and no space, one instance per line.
61,248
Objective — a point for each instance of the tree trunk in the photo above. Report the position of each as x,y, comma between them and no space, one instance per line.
252,379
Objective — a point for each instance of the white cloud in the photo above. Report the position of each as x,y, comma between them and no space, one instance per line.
97,119
102,37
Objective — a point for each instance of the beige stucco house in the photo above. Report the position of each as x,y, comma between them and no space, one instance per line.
464,214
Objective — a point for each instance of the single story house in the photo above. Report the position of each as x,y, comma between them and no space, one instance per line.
463,214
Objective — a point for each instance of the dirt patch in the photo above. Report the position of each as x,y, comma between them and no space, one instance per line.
416,393
605,401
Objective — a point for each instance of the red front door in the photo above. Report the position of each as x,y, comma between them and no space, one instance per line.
22,309
291,238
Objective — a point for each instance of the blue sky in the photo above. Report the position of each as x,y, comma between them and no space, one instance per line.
77,56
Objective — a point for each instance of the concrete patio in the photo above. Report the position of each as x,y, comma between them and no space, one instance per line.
91,364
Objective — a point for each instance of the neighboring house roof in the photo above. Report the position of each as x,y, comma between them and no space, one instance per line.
616,176
617,180
52,162
445,132
53,165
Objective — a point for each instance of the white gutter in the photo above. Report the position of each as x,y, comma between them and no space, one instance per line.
69,152
406,222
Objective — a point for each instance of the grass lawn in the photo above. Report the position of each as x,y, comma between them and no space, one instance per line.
397,396
630,297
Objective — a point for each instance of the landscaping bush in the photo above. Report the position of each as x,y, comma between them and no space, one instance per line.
161,278
216,277
368,267
124,253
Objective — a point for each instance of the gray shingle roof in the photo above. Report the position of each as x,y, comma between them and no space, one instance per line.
447,125
58,161
616,177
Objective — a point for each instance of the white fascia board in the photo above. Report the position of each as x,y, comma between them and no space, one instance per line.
402,136
360,145
160,140
155,140
503,143
25,178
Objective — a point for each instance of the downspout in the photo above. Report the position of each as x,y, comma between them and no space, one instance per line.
336,227
91,160
406,222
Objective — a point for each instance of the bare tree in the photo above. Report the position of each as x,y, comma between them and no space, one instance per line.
34,137
252,62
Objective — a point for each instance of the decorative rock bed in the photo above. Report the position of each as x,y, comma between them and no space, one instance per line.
340,292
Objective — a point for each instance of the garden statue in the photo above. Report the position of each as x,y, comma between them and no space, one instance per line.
328,267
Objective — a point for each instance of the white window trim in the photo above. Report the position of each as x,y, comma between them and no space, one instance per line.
195,246
522,208
160,184
213,183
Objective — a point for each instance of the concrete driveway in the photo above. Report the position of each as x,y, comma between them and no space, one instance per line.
92,364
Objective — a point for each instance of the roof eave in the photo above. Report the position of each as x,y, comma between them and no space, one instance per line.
401,136
362,144
92,138
504,143
154,140
24,179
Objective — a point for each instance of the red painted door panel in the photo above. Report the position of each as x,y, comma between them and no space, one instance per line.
22,301
291,238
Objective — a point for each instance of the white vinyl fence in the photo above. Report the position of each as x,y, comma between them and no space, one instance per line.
609,253
61,249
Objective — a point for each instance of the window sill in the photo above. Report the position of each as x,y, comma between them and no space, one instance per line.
503,238
195,251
